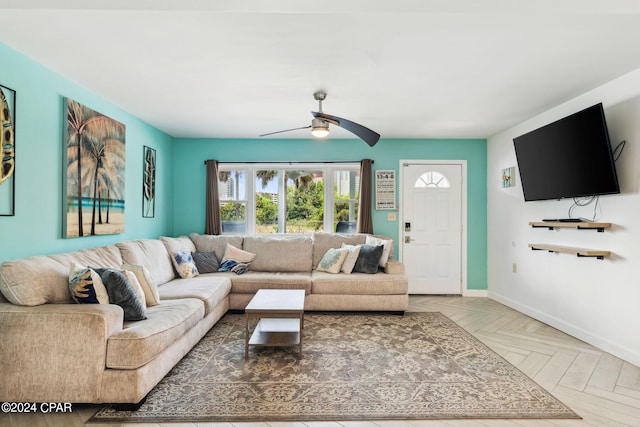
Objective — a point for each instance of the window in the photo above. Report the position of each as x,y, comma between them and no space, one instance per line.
294,198
345,199
432,179
233,201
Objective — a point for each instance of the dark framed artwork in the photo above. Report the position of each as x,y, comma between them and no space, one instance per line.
148,182
95,172
8,152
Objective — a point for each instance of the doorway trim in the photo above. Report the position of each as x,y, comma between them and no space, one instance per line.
463,214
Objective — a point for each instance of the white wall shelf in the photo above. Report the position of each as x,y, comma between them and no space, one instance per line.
598,226
580,252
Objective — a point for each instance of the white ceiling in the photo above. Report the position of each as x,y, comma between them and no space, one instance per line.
404,68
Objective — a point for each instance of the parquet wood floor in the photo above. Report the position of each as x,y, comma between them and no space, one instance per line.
601,388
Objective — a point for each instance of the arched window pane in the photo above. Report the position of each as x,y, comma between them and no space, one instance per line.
432,179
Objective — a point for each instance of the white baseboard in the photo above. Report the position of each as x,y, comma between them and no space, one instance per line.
577,332
480,293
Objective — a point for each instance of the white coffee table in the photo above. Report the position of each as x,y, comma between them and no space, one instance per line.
281,319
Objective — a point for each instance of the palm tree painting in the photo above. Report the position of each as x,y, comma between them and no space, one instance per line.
95,173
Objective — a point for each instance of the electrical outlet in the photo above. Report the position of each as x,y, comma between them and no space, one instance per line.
391,216
514,268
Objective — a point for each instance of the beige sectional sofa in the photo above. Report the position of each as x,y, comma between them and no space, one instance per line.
53,350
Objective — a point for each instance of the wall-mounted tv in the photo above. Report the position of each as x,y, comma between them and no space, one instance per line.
571,157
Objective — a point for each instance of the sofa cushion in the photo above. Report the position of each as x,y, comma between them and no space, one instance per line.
217,244
152,255
139,342
86,286
358,283
211,289
250,282
41,279
285,254
323,241
174,244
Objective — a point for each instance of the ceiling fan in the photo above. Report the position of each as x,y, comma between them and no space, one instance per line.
320,124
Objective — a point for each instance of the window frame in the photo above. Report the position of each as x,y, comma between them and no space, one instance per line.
251,168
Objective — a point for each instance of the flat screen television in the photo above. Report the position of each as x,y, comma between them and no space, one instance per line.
569,158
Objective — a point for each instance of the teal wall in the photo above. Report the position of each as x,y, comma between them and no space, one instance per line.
189,177
40,118
36,227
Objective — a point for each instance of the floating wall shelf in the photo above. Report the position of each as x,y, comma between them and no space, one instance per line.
581,252
598,226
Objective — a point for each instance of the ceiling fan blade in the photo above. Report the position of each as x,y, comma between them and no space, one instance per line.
286,130
364,133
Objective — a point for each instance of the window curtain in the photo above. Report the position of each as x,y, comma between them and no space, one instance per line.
365,223
212,225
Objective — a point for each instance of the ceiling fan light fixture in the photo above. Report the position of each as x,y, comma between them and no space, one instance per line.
319,128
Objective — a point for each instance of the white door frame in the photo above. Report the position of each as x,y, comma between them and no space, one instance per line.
463,213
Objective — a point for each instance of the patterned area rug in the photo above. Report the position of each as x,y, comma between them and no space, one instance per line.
354,367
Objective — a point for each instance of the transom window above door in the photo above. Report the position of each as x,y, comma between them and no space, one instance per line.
432,179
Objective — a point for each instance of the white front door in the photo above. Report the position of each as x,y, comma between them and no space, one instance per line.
431,226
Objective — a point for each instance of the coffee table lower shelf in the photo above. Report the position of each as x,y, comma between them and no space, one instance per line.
275,332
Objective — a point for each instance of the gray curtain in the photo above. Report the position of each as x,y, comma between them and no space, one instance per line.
212,225
365,223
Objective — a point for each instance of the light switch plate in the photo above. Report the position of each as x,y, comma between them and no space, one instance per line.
391,216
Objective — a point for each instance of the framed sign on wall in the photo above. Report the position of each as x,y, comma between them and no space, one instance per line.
385,189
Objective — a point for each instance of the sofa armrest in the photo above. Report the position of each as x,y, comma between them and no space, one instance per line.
55,352
394,267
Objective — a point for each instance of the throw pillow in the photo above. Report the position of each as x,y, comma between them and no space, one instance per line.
236,260
149,287
122,293
234,266
206,262
387,244
332,260
183,262
135,284
231,252
368,259
352,256
86,287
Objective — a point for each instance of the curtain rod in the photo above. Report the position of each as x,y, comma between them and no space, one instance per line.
290,163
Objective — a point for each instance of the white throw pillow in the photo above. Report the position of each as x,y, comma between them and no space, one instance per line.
370,240
147,283
352,256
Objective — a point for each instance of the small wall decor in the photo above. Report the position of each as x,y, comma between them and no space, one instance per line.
7,151
508,176
94,181
149,182
385,189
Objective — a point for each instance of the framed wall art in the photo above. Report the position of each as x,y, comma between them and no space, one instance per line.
8,152
148,182
385,189
508,176
95,172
